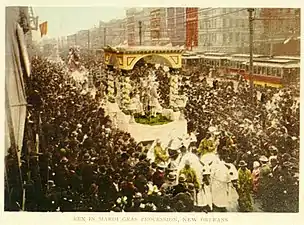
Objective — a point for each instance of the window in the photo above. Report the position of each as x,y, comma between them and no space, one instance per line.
237,36
259,70
279,72
274,72
230,37
224,22
268,71
255,71
224,38
242,23
201,24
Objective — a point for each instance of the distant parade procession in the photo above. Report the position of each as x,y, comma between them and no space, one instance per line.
155,129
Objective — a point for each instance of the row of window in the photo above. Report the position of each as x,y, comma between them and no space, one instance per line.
226,37
227,23
262,70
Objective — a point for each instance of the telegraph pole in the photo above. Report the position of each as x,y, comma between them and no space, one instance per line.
104,36
140,33
250,11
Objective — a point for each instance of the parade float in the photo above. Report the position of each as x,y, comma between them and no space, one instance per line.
135,106
75,69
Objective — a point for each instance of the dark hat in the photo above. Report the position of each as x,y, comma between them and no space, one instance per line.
242,163
125,156
182,178
287,164
191,186
86,156
286,156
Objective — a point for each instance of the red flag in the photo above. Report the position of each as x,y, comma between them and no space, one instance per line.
43,28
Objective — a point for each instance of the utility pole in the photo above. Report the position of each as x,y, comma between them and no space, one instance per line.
89,40
250,11
140,33
270,38
104,36
75,39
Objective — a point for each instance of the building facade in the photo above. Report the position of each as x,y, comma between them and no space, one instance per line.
158,26
227,30
180,26
281,31
191,28
116,33
71,40
131,26
83,39
176,28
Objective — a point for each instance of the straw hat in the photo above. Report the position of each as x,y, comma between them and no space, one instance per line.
161,165
171,176
242,163
263,158
256,164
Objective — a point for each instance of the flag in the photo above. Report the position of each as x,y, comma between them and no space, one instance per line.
43,28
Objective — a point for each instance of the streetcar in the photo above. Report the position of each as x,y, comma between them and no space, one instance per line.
191,60
273,72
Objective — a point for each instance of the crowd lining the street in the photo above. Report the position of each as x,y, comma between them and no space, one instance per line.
85,164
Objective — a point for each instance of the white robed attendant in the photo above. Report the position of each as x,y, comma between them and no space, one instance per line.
154,103
233,196
219,184
136,106
205,195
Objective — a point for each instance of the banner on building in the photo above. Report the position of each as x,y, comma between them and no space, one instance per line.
43,28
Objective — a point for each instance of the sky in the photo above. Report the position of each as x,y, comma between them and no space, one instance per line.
63,21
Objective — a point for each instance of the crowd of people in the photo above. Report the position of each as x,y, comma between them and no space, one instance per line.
259,128
85,164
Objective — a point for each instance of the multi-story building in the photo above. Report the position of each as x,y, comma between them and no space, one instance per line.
145,22
94,38
191,28
158,26
138,18
71,40
176,25
83,39
226,30
116,32
131,26
180,26
171,29
281,31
